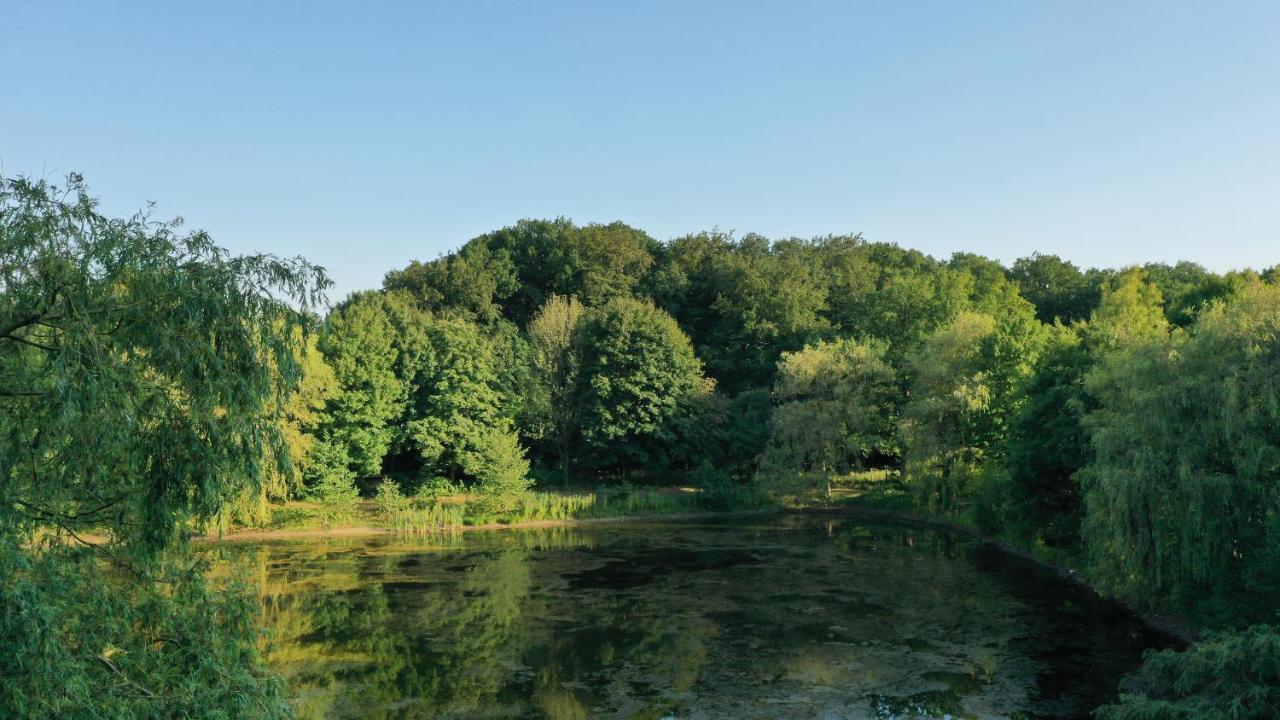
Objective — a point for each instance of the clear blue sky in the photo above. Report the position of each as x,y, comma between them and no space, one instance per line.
364,135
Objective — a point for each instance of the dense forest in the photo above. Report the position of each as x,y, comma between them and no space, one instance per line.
1123,421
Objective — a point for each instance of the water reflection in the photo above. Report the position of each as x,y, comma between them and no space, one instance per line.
795,617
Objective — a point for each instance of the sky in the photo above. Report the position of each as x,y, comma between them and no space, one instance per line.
365,135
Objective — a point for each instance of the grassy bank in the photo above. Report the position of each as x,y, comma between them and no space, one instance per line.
430,513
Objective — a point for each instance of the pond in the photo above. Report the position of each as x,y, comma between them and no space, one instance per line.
783,617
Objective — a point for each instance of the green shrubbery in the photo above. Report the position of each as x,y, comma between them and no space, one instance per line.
1226,676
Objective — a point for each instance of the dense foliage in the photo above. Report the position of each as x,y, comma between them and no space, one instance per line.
142,371
1121,420
1228,676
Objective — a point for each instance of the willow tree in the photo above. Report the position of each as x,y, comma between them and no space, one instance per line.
835,407
1182,492
299,418
1048,443
136,365
967,383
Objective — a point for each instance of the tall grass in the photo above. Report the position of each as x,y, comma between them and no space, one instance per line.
410,516
434,518
621,501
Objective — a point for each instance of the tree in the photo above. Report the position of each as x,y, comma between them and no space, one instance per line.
1187,287
638,372
906,306
835,407
455,403
136,365
1181,489
299,418
1048,446
471,283
330,481
743,302
985,272
1058,289
500,469
1130,311
555,366
1048,442
358,342
967,383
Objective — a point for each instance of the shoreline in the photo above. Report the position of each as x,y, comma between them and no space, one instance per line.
375,531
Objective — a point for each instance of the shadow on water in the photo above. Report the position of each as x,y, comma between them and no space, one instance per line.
787,617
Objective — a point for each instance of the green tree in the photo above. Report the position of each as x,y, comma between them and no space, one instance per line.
455,402
638,373
136,366
1181,489
556,364
330,481
743,302
299,417
471,283
1130,311
1058,289
500,469
358,342
1048,444
1187,288
967,383
835,408
906,306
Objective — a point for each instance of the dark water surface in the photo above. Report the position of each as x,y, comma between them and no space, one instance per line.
765,618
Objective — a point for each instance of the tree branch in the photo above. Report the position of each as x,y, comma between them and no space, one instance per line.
111,666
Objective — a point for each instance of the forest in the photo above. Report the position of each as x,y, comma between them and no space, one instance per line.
1123,422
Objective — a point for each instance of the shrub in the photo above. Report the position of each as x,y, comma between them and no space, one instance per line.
1228,676
331,483
389,501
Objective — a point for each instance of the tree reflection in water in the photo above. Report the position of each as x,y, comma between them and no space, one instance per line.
790,617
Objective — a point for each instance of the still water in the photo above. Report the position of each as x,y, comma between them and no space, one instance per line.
768,618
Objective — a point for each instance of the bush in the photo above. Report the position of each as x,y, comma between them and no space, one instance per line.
330,482
718,490
437,487
502,473
389,501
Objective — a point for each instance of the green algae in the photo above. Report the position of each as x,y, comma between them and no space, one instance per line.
771,618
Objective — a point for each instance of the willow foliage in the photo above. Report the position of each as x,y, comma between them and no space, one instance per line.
835,408
1183,489
137,367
